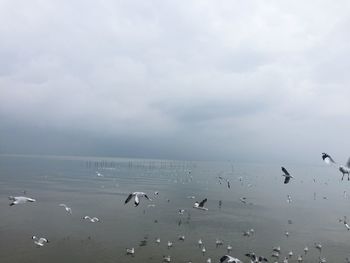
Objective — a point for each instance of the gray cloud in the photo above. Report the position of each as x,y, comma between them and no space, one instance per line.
242,80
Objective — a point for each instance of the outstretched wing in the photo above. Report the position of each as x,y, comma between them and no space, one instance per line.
327,158
284,170
201,204
147,197
228,184
286,180
223,258
261,259
128,199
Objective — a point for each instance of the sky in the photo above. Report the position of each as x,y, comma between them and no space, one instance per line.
243,80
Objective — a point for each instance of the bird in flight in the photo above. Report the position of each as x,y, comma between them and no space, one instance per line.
201,205
137,196
286,175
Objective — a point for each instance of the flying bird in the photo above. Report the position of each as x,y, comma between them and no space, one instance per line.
137,195
68,209
327,158
201,205
286,175
344,169
229,259
20,200
40,241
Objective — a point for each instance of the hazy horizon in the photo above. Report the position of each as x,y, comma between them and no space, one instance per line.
261,81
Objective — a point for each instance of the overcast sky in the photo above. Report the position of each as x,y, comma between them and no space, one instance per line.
226,80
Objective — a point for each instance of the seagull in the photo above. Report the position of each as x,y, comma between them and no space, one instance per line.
181,211
286,175
300,258
289,199
229,259
229,248
290,254
92,220
201,205
243,200
327,158
182,238
318,246
209,260
166,258
136,195
20,200
40,241
306,249
200,242
203,250
68,209
130,251
344,169
255,259
218,243
277,249
170,244
158,240
99,174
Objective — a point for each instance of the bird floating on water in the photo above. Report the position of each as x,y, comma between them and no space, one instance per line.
91,219
20,200
40,241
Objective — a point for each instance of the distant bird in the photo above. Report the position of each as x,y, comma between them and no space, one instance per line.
182,238
166,259
286,175
158,240
203,250
40,241
290,254
243,200
322,260
200,242
68,209
229,259
130,251
300,258
181,211
306,249
92,220
277,249
209,260
99,174
286,234
170,244
255,259
136,195
20,200
201,205
327,158
218,243
289,199
229,248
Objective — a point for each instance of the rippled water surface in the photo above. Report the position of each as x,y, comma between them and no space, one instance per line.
319,199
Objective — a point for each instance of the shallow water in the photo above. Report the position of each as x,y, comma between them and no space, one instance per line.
314,210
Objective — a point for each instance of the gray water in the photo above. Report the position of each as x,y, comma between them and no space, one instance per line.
317,193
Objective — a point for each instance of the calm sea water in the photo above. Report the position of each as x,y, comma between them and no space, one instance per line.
318,199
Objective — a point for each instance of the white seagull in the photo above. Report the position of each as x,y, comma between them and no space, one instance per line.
68,209
229,259
137,195
40,241
130,251
201,205
344,169
20,200
92,220
286,175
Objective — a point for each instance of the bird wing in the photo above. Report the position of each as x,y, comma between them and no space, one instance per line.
128,199
201,204
286,180
147,197
228,184
284,170
223,258
327,158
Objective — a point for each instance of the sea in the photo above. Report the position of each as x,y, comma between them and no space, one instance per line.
309,209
